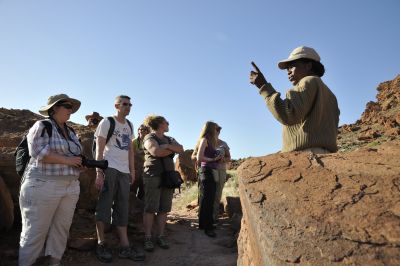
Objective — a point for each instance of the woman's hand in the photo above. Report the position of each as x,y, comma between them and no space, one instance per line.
74,161
218,157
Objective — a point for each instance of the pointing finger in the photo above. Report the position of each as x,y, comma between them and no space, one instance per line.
255,67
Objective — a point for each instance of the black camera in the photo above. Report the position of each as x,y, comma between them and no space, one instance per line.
102,164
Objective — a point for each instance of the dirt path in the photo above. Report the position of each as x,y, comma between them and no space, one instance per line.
188,245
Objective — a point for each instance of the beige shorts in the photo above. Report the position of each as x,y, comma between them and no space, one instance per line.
156,198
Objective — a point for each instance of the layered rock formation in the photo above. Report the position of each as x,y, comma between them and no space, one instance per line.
379,123
334,209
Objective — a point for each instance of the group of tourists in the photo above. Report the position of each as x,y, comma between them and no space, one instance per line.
50,186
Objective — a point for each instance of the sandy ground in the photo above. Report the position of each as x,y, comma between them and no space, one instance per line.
188,244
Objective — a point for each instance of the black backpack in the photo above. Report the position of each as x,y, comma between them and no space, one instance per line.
21,154
109,134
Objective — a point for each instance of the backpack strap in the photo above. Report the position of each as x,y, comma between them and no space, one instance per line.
48,126
111,129
130,125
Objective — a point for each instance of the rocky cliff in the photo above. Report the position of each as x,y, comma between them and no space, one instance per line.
334,209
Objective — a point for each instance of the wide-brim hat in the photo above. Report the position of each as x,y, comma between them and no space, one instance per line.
93,116
44,110
298,53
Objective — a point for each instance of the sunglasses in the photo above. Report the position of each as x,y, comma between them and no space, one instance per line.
126,104
65,105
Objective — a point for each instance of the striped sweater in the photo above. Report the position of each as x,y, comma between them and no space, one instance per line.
309,114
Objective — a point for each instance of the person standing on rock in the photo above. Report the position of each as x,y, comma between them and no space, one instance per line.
138,149
208,158
50,186
159,153
114,182
309,113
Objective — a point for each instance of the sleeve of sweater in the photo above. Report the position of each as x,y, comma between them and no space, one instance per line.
298,102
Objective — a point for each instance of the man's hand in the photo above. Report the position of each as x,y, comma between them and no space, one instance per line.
256,77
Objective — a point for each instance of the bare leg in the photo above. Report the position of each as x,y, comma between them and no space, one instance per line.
161,221
148,219
123,236
100,232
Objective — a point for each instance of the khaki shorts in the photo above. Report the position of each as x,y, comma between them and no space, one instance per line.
156,199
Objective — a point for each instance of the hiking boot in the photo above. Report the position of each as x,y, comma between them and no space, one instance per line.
148,244
130,253
103,254
210,232
162,243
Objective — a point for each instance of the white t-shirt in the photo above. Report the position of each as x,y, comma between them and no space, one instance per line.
116,150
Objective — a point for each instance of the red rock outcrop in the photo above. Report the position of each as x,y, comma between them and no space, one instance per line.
321,210
379,122
185,166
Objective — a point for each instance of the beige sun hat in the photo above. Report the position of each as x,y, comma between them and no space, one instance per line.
300,52
44,110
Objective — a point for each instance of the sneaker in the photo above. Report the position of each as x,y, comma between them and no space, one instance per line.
130,253
162,243
148,244
103,254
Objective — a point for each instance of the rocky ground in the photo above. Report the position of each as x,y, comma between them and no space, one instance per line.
189,245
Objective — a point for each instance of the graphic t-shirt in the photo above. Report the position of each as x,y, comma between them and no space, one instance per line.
117,148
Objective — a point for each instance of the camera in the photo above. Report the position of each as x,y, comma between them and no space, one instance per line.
102,164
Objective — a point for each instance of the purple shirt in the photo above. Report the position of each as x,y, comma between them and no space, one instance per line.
210,152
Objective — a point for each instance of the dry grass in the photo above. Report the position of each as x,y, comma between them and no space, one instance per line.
190,192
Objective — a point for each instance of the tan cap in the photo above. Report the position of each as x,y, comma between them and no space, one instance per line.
57,98
300,52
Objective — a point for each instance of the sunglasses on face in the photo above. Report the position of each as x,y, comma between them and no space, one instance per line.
65,105
126,104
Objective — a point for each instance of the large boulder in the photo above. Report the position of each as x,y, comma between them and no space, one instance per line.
185,166
331,209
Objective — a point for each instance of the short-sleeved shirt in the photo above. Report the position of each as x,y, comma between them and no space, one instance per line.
41,145
116,150
154,166
225,146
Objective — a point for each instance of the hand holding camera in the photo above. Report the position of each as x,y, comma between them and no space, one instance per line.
102,164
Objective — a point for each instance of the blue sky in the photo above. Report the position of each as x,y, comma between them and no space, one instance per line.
190,60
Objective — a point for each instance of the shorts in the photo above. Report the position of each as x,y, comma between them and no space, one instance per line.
115,196
156,198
